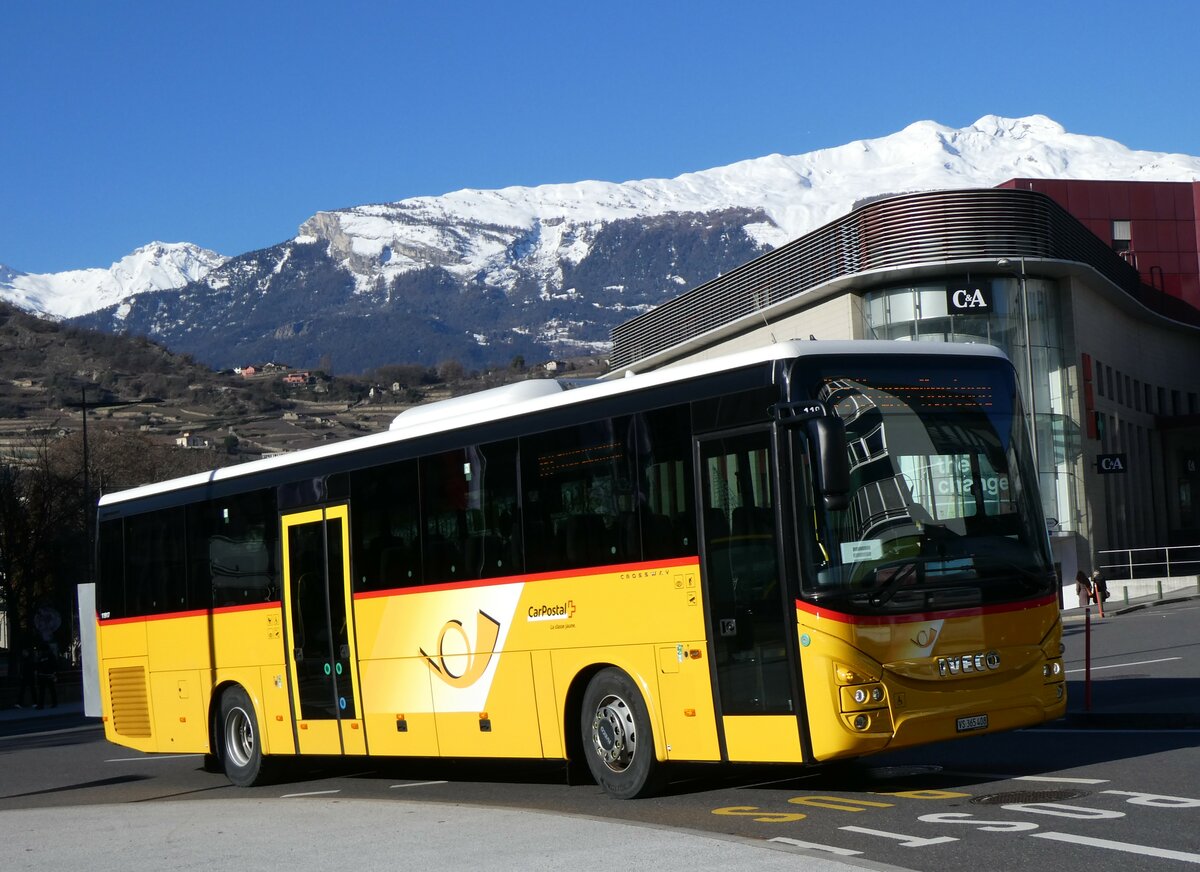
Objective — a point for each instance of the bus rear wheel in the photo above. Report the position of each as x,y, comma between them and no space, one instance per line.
239,742
617,738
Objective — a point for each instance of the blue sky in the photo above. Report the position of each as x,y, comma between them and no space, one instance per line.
227,124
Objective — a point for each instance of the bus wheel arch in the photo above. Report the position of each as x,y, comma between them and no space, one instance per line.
616,734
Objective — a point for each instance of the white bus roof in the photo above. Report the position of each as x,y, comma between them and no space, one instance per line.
511,401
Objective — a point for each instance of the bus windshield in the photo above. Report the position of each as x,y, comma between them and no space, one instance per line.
942,513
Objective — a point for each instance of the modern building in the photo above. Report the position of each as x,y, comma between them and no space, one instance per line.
1091,288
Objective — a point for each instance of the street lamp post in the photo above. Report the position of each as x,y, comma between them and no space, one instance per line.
1029,391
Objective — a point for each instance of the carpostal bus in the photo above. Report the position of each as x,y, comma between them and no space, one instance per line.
811,551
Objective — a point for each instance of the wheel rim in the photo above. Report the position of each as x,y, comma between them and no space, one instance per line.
614,736
239,737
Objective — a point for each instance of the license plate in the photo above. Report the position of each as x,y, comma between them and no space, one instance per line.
975,722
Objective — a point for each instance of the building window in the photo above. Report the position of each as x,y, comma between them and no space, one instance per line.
1122,238
1099,379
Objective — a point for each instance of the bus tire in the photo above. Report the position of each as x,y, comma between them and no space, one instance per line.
239,741
618,741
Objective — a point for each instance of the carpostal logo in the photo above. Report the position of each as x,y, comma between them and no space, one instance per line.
555,612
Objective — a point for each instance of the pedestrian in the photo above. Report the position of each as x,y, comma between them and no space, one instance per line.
28,673
1083,589
47,675
1099,590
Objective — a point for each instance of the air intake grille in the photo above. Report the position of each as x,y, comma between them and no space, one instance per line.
130,703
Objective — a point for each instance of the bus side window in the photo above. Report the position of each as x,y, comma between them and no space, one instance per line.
385,526
580,489
667,505
110,591
469,513
241,541
156,566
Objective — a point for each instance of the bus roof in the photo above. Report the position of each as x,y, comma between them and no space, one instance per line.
513,400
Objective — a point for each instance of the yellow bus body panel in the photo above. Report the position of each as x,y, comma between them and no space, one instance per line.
762,739
920,704
493,663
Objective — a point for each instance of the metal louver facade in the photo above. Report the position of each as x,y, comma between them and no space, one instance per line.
936,227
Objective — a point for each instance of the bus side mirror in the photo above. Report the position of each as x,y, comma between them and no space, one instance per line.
828,438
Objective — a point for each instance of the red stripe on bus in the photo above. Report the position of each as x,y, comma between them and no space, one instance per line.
879,620
616,569
194,613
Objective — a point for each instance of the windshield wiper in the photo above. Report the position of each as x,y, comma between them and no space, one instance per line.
890,587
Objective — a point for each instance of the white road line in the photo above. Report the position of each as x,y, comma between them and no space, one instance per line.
1062,780
1096,731
49,733
813,846
417,784
1123,665
1144,850
151,759
312,793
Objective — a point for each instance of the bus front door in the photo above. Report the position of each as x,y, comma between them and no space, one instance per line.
754,661
321,661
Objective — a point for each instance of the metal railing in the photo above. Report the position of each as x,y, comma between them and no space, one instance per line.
1168,561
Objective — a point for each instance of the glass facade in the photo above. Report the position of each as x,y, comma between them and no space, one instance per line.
1022,317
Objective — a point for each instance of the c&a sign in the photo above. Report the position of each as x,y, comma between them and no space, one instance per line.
969,298
1110,464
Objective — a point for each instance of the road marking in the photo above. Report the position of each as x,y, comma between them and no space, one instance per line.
312,793
1096,731
417,784
1123,665
813,846
1062,780
151,758
905,841
1128,848
9,738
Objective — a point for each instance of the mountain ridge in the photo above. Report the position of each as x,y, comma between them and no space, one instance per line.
546,271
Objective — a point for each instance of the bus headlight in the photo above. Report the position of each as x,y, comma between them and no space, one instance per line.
1052,670
863,697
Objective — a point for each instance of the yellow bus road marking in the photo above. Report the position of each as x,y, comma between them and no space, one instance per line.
310,793
1145,850
418,784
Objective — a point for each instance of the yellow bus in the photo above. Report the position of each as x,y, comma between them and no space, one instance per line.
811,551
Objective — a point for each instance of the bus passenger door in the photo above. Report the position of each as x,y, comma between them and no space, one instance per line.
753,658
321,655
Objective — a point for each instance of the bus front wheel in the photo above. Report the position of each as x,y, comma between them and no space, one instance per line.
617,738
240,744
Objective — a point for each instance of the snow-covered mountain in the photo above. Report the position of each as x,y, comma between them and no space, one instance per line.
158,266
547,271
